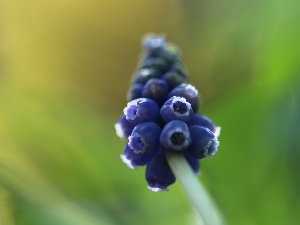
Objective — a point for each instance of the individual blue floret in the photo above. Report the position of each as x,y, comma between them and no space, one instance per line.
153,44
160,65
144,137
173,78
204,143
176,108
123,127
141,110
175,136
159,174
170,53
134,92
201,120
187,91
156,89
133,160
144,74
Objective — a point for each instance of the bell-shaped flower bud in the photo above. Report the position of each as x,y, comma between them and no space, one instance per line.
187,91
144,74
176,108
204,143
133,160
204,121
144,137
123,127
173,78
156,89
141,110
159,174
134,92
175,136
153,44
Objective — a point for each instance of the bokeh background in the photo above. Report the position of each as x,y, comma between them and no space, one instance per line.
64,72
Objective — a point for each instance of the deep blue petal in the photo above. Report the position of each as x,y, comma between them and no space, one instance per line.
188,92
141,110
160,65
201,120
144,74
123,127
133,160
173,78
134,92
193,162
170,53
156,89
176,108
154,44
144,137
159,174
204,143
175,136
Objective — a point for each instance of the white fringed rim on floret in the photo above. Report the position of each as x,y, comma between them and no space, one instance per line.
184,101
217,132
127,161
119,130
191,90
157,189
178,130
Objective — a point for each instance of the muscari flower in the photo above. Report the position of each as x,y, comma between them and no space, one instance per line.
203,142
156,89
144,137
134,92
201,120
141,110
154,44
123,127
159,174
161,116
175,136
176,108
173,78
187,91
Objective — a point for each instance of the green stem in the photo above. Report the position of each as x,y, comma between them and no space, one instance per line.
194,190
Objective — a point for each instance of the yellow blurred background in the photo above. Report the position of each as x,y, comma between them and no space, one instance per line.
65,68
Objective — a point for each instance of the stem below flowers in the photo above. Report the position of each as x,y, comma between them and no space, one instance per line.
193,188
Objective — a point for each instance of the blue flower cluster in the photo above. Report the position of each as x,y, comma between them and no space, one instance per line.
161,115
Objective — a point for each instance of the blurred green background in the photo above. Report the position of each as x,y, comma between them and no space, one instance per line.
64,72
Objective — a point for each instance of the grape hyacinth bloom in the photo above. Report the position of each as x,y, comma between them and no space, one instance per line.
175,136
159,174
141,110
123,127
176,108
161,117
187,91
204,142
156,89
134,92
144,137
